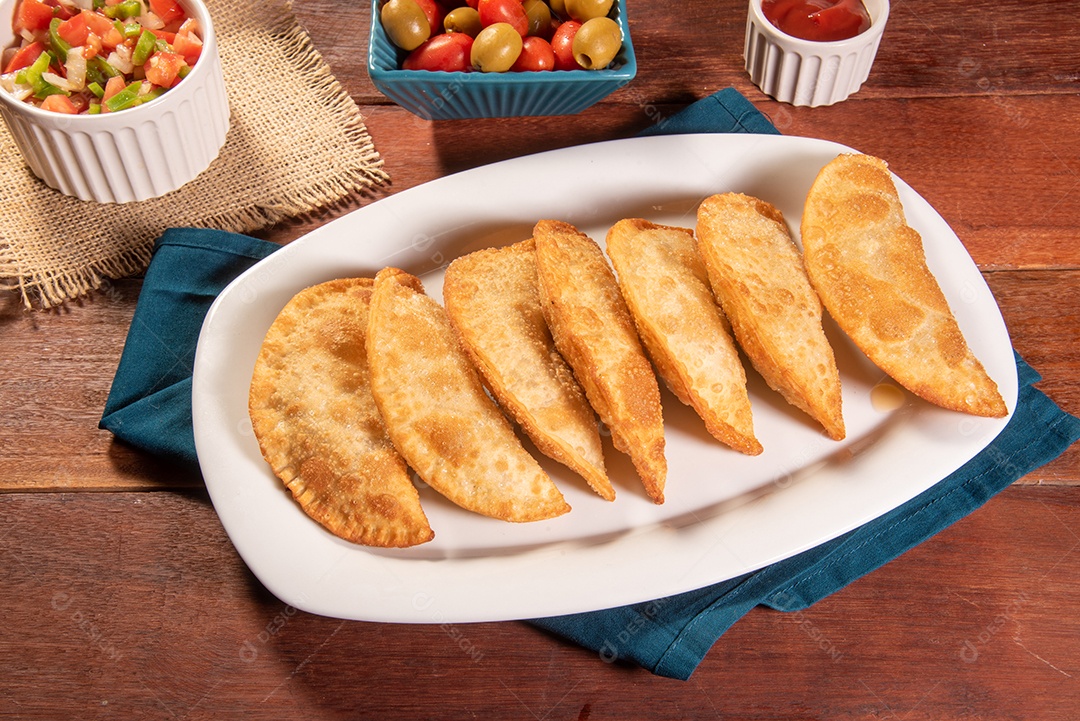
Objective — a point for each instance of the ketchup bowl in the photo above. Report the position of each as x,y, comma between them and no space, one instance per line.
808,72
142,151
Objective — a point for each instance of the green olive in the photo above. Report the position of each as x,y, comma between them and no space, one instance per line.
405,23
539,15
496,48
597,42
558,6
463,20
582,10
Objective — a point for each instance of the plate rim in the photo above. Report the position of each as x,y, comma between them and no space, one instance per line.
439,607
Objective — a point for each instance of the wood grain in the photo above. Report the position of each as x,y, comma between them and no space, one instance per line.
130,601
139,608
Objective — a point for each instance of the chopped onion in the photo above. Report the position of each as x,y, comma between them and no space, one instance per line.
20,91
151,21
75,68
59,81
121,59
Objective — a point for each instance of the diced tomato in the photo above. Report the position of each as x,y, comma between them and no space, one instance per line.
98,24
189,45
113,86
49,26
92,48
32,15
62,11
189,27
163,68
74,30
60,104
167,10
102,27
25,56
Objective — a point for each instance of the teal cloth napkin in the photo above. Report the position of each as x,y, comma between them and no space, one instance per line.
149,407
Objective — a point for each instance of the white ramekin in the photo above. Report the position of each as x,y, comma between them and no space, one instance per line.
805,72
135,154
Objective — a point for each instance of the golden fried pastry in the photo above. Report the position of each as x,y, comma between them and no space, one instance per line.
870,270
438,415
757,275
494,304
666,288
592,329
317,425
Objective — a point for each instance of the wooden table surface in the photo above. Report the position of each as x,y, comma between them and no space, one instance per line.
121,596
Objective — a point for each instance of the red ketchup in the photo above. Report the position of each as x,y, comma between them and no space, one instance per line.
820,20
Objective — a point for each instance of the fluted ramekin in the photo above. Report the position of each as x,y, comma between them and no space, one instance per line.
134,154
806,72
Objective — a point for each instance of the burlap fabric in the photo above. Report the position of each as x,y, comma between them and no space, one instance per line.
296,142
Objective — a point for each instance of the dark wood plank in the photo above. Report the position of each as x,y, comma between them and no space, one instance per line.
139,607
56,368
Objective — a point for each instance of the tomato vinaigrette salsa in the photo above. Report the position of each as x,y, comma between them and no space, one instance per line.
818,20
98,56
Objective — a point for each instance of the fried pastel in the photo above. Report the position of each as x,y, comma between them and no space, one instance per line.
438,415
666,287
869,267
493,301
757,275
317,425
593,331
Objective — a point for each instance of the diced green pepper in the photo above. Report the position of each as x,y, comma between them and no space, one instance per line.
96,89
94,109
125,98
125,10
157,92
99,70
43,89
144,48
57,43
127,30
103,66
32,76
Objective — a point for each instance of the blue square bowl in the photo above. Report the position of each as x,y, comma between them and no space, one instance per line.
451,96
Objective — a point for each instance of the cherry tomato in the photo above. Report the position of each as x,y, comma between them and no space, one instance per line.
448,52
536,54
434,13
504,11
562,43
